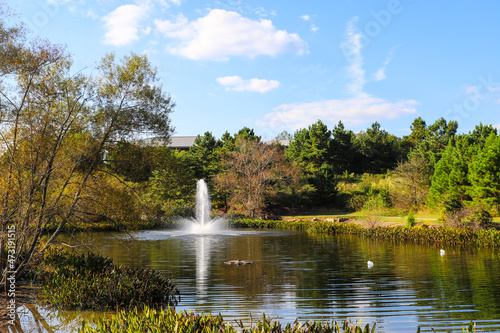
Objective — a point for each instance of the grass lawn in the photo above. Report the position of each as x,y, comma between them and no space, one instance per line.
322,214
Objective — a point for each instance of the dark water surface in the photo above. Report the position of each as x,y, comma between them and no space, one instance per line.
314,277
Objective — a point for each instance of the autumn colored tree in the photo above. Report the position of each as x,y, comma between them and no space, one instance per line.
412,179
254,172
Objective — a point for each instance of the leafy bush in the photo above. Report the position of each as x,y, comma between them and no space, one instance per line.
473,217
357,201
410,219
91,281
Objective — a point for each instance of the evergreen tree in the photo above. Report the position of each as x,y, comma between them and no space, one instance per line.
311,147
343,153
485,173
450,182
378,150
203,156
311,150
432,141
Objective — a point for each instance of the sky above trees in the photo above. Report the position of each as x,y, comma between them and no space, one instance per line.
276,66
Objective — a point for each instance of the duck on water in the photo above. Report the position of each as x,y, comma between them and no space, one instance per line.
238,262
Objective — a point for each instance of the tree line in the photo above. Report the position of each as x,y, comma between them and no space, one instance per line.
433,168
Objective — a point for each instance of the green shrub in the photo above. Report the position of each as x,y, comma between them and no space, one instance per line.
357,201
79,281
410,219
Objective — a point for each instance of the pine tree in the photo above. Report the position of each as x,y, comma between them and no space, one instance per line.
450,182
485,173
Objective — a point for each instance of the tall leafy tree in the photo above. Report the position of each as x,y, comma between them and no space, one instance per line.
134,162
171,186
55,127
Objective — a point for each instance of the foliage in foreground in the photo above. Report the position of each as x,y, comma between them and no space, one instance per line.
91,281
464,236
168,320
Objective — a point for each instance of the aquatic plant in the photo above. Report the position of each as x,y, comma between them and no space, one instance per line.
465,236
90,281
168,320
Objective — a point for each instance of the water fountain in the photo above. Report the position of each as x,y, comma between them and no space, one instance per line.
202,223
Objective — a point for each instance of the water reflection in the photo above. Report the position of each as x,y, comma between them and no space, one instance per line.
298,275
203,246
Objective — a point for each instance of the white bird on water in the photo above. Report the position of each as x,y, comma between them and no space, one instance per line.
442,252
370,264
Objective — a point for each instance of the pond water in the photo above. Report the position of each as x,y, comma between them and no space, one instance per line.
313,277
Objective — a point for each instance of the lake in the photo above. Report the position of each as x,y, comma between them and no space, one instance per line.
312,277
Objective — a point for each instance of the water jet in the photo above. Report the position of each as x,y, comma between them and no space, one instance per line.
202,223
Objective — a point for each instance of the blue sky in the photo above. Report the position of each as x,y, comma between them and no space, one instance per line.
282,65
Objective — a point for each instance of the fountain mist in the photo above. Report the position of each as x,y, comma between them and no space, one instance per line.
202,223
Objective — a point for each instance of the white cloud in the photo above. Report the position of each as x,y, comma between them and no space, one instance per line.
359,108
305,17
484,93
314,28
351,111
167,3
122,25
222,34
471,90
352,47
175,2
497,126
90,13
178,28
236,83
379,75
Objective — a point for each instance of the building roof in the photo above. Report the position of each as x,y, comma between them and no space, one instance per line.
185,142
181,142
